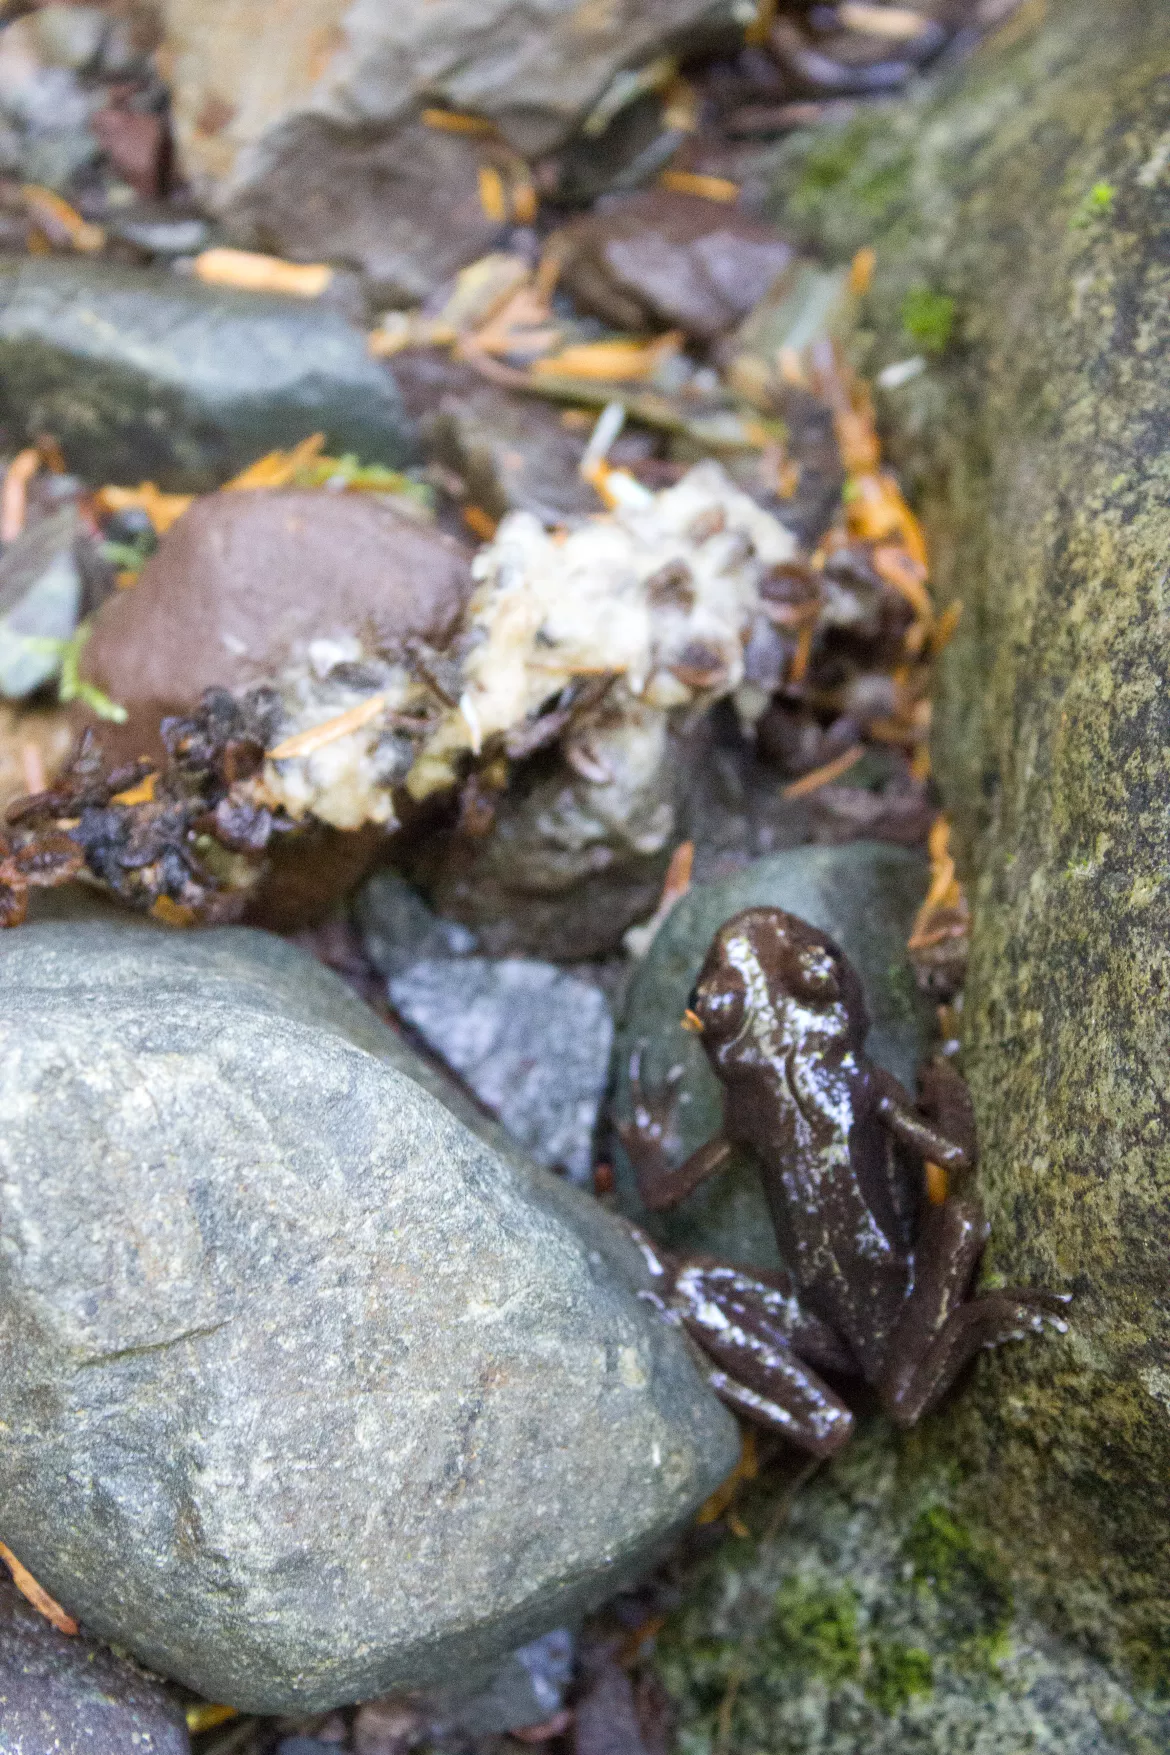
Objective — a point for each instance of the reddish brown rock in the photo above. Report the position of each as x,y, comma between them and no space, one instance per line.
661,260
244,581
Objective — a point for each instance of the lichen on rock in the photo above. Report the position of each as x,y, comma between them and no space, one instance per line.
864,1614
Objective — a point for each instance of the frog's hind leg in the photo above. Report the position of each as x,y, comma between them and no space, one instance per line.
751,1330
940,1328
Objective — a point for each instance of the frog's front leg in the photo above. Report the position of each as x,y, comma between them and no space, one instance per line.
760,1340
648,1139
940,1328
903,1118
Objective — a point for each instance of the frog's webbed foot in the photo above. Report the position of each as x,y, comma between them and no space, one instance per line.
650,1140
941,1329
751,1331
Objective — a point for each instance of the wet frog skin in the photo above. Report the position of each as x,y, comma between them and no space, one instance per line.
879,1270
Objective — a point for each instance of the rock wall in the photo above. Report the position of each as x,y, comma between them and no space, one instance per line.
1021,215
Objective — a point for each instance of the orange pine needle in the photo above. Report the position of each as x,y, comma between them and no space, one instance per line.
172,913
746,1469
611,362
14,493
695,183
251,272
61,223
163,510
491,194
678,874
798,669
525,204
825,774
277,468
205,1716
456,122
36,1593
936,1184
143,793
861,271
479,522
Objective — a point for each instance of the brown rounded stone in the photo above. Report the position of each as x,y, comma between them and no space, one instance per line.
245,580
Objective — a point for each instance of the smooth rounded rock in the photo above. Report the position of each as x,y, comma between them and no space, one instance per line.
309,1393
865,895
244,582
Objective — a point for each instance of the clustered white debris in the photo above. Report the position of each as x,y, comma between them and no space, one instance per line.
660,594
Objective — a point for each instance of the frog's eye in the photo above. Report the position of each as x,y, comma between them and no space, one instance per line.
816,976
720,1004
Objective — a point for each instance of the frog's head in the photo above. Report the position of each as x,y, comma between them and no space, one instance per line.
765,962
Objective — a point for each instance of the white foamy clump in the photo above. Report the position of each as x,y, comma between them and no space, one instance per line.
661,594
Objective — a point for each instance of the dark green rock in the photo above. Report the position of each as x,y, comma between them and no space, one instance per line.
867,1618
141,374
1021,215
60,1693
865,895
308,1393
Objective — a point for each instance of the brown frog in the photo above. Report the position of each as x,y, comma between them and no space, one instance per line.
880,1254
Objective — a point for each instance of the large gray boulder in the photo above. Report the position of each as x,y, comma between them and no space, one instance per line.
308,1392
534,69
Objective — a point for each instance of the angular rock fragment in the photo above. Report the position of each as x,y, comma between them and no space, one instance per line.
532,1042
514,454
663,260
308,1393
40,601
533,71
398,930
404,209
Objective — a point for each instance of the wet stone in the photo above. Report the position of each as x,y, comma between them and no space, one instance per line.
310,1394
145,374
677,261
213,605
864,895
532,1042
535,71
61,1694
514,454
527,1690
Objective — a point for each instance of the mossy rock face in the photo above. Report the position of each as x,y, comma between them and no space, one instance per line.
875,1621
1033,194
